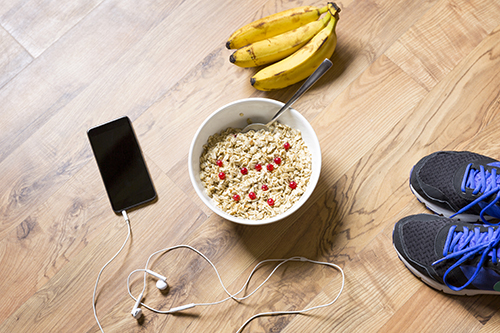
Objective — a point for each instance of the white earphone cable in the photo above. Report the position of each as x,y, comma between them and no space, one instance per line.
167,250
125,216
233,296
303,310
230,296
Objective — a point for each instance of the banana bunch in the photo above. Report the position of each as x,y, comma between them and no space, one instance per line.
294,42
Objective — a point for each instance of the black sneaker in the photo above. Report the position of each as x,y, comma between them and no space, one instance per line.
462,185
455,257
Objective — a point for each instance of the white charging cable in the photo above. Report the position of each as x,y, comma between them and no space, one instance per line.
125,216
231,296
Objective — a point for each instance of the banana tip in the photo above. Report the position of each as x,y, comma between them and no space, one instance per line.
228,45
252,81
232,59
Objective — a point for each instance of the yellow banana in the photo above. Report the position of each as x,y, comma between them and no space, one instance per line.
274,25
278,47
302,63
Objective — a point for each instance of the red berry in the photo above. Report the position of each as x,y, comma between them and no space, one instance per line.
258,167
286,146
264,187
252,195
270,202
244,171
222,175
236,197
277,160
270,167
219,163
293,185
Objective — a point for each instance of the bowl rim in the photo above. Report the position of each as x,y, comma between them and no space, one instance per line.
305,196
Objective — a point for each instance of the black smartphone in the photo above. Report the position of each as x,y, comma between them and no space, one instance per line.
121,164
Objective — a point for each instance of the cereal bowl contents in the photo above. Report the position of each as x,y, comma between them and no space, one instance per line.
254,178
232,173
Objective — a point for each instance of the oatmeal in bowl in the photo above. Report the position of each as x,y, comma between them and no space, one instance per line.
258,177
255,175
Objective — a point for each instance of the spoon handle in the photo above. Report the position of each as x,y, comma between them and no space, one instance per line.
322,69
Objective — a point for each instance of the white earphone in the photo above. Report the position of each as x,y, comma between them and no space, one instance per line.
162,285
136,311
162,281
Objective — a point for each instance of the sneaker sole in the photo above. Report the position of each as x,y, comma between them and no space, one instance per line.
441,287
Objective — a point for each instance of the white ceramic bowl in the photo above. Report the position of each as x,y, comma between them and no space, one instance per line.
235,115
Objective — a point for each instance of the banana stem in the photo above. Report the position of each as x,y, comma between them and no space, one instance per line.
334,5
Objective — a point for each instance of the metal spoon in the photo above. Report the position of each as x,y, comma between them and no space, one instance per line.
322,69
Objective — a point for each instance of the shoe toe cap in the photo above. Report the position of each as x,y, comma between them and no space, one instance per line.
414,238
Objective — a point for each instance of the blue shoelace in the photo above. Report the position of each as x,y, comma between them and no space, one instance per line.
465,245
481,181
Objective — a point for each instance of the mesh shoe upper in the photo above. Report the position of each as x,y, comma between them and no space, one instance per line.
450,181
459,256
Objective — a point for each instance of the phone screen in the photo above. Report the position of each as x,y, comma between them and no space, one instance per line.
121,164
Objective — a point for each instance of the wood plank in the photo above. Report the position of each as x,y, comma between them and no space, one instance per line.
59,241
365,31
13,57
377,285
474,78
193,280
56,78
94,96
486,108
377,116
50,237
492,325
37,24
432,47
426,311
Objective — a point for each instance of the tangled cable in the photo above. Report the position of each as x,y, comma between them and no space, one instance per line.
136,312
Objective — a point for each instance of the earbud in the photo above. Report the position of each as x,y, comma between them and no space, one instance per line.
136,311
162,281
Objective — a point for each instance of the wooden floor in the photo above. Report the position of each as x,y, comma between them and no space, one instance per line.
409,78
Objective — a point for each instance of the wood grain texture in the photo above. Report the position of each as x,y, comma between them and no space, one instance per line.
13,57
37,24
456,26
410,78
